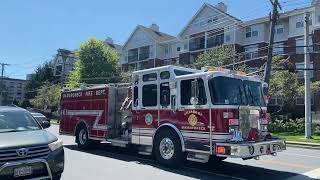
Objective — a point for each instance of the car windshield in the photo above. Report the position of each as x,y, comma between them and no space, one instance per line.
231,91
12,121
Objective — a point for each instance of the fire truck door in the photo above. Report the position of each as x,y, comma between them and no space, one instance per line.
145,114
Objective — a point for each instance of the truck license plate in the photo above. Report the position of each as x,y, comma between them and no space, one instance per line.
23,171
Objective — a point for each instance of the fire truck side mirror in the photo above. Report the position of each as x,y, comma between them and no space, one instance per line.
173,103
194,92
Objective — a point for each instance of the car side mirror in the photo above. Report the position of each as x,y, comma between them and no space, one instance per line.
45,124
194,92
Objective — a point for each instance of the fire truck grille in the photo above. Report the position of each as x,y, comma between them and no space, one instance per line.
249,118
8,155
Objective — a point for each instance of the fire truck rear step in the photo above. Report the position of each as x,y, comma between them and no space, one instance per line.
198,157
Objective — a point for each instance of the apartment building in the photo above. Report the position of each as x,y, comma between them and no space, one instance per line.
63,63
12,90
148,47
213,26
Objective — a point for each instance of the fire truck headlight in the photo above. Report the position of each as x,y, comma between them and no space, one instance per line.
55,145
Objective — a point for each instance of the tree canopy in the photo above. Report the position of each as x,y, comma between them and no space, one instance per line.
48,97
44,73
96,64
220,56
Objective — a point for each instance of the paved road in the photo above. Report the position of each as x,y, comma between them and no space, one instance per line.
108,162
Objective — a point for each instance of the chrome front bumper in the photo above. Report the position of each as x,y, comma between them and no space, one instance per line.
250,150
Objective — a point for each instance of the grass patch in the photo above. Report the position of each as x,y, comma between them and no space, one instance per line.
297,137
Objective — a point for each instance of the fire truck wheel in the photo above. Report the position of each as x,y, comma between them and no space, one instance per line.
167,148
82,138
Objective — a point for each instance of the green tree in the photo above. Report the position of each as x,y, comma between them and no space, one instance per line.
48,97
96,64
220,56
284,83
44,73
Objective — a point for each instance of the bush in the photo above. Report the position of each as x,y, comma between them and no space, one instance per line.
295,126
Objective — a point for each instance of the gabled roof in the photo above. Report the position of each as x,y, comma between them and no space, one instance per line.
153,34
200,10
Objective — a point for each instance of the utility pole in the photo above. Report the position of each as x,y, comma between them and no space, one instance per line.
1,82
273,18
307,97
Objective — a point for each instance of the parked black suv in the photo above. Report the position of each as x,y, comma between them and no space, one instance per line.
28,151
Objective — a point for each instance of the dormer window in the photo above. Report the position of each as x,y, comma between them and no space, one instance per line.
251,32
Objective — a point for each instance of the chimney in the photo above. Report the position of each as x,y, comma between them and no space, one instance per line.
154,27
222,6
109,40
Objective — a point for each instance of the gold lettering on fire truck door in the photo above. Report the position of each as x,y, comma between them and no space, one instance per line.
193,121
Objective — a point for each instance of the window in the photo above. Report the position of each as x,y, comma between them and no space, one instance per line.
251,32
144,53
164,94
165,75
215,40
149,95
197,43
275,101
228,38
185,91
178,49
279,29
181,73
319,18
278,49
133,55
300,100
58,71
149,77
251,52
299,22
135,96
299,46
300,73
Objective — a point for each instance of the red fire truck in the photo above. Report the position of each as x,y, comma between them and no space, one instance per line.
174,113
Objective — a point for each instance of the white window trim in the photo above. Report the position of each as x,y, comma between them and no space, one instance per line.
251,50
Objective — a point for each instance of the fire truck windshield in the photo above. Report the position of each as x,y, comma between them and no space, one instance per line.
231,91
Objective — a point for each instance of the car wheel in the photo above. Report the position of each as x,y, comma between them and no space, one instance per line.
168,150
83,138
56,177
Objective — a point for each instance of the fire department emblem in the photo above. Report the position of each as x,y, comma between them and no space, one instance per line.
148,119
192,119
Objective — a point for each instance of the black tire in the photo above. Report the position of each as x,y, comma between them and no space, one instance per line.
58,177
82,138
177,157
216,159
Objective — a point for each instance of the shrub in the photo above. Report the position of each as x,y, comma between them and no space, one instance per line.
296,126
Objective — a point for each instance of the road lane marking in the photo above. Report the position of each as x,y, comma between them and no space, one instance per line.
294,154
315,174
287,164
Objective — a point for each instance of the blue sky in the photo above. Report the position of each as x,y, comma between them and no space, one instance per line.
31,31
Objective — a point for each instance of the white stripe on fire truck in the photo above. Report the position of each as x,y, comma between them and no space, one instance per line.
97,113
206,136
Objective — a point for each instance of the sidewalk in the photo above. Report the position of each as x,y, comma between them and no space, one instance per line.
306,145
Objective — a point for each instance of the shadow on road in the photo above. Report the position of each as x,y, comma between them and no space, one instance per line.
223,170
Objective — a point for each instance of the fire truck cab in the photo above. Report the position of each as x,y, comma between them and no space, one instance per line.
174,113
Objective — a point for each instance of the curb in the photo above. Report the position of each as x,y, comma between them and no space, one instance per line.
303,145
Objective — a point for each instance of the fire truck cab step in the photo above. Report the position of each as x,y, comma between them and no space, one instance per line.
198,157
145,150
118,142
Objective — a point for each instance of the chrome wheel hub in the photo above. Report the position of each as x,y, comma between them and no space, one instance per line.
83,136
166,148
